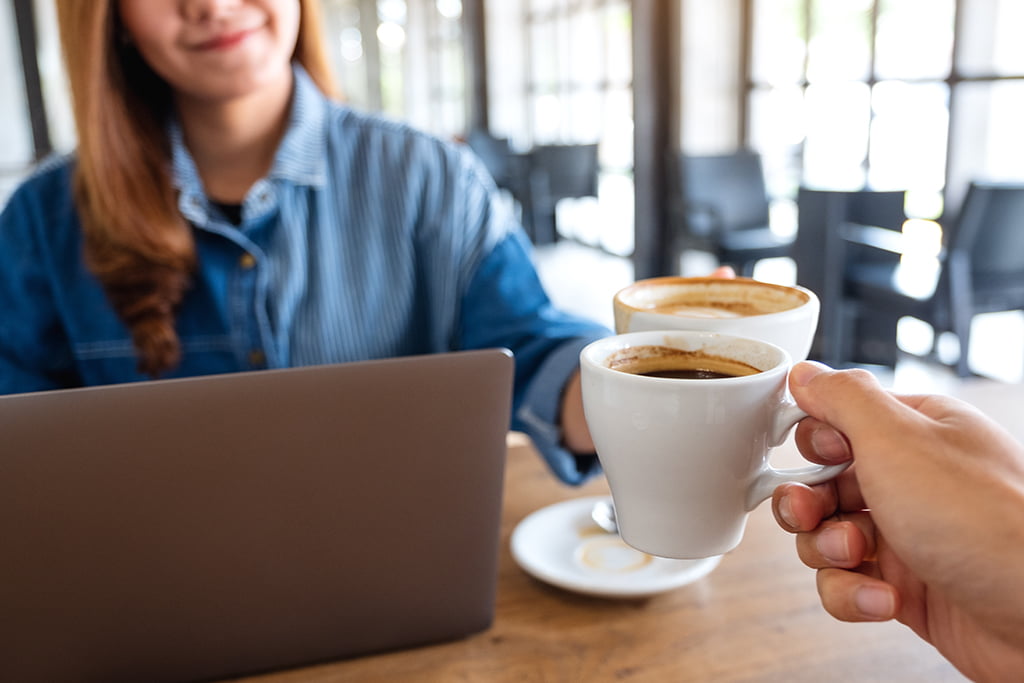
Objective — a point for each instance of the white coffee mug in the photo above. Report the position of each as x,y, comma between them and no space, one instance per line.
780,315
687,459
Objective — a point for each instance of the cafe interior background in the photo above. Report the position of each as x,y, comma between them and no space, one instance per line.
836,98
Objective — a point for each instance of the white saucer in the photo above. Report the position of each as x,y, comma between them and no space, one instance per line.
561,545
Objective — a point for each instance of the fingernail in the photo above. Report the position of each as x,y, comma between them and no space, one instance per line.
831,543
828,444
804,372
875,602
786,512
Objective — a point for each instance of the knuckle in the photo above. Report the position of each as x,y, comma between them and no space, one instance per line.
855,377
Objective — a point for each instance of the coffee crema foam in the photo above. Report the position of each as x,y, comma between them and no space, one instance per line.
724,309
639,360
710,297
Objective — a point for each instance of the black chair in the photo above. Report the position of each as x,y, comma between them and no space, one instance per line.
495,154
556,172
831,224
510,170
722,208
982,270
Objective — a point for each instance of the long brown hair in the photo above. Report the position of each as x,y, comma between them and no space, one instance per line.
135,240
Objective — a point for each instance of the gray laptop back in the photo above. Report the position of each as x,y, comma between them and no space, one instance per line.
203,528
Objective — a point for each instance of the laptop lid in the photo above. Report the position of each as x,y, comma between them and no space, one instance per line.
203,528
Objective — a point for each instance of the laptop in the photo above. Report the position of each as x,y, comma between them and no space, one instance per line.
204,528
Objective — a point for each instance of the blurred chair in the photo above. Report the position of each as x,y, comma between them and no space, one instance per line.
556,172
981,271
495,154
831,225
510,170
722,207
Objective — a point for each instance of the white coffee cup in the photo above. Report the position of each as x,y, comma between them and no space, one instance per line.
780,315
687,459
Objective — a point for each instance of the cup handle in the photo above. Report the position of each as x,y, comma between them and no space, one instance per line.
762,487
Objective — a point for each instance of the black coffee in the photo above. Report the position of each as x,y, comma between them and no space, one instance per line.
673,363
688,373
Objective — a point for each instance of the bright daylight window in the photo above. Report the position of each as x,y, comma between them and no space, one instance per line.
16,151
576,88
401,57
869,93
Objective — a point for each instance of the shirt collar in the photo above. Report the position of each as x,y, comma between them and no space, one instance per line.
300,157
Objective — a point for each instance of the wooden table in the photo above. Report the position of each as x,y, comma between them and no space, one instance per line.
754,618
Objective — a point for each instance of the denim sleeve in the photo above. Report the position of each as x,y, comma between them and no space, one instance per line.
506,305
34,353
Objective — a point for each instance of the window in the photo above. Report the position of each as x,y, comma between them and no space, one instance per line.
561,73
37,120
16,150
870,93
401,57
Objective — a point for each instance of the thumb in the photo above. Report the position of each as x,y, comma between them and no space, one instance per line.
851,401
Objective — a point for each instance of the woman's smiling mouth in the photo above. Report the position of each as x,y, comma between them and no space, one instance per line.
224,41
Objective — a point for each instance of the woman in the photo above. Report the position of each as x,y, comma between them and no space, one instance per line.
221,214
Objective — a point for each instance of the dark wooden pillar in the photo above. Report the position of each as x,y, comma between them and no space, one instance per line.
25,16
475,39
655,97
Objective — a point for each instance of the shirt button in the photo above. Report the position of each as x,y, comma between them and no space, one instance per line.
247,261
257,358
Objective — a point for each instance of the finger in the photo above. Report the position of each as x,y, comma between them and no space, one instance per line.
848,491
853,596
799,507
821,443
844,542
851,401
726,272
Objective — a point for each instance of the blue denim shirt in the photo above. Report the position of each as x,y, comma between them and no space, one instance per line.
366,240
